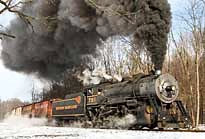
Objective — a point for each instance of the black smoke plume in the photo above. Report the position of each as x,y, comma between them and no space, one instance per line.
64,31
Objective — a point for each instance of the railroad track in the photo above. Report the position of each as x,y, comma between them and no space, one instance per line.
155,130
42,136
78,135
170,130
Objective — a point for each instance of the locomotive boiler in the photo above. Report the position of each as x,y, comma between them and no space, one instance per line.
150,99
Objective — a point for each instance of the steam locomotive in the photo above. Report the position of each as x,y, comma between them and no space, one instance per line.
150,99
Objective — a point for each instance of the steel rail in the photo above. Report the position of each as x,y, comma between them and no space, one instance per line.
170,130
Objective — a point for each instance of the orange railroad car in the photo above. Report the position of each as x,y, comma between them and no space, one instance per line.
27,110
43,109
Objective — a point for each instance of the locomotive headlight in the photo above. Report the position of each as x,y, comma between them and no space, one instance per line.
158,72
173,88
170,88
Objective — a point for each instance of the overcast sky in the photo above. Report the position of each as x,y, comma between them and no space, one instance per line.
18,85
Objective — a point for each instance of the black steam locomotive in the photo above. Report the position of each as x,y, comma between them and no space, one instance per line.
150,99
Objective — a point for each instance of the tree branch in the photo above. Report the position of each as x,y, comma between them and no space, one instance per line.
7,35
9,6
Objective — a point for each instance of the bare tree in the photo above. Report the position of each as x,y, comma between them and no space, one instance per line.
13,6
191,44
8,105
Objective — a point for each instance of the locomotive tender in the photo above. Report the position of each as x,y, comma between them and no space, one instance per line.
150,99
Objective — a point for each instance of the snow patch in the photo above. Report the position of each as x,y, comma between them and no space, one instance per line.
200,127
43,132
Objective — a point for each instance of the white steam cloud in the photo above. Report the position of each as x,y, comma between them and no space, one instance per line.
97,76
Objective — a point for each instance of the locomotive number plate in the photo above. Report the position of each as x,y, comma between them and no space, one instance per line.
92,99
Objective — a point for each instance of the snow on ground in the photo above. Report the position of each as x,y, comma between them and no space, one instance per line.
201,127
15,128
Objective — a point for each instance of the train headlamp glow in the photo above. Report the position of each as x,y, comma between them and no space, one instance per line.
173,88
158,72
